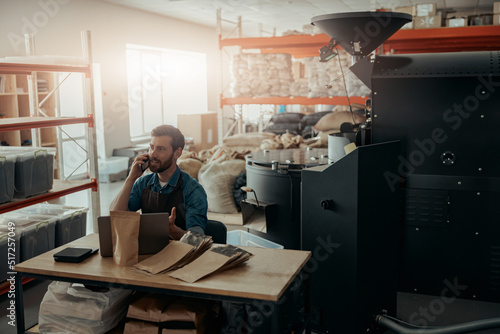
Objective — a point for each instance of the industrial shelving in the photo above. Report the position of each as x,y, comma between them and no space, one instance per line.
35,122
472,38
445,39
299,46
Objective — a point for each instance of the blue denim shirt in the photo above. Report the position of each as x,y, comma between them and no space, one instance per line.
195,198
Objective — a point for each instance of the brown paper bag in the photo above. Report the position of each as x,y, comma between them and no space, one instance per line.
165,259
206,264
150,307
140,327
219,257
170,312
178,331
125,237
187,310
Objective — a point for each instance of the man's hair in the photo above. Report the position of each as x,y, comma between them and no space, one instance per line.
174,133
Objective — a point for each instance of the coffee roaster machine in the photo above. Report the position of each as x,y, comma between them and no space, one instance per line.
275,178
412,211
418,217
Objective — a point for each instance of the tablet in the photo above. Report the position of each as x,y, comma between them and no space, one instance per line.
74,254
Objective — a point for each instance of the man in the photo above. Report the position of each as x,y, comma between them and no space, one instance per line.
167,189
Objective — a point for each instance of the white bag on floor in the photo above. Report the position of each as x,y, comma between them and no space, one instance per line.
72,308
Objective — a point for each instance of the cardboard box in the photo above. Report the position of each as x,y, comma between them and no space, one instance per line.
496,7
456,22
426,9
427,22
496,19
201,127
481,20
412,10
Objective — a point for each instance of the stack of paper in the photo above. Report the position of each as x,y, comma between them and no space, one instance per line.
217,258
176,254
192,258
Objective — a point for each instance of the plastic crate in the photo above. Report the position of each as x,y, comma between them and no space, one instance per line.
7,165
71,222
242,238
34,169
7,253
37,233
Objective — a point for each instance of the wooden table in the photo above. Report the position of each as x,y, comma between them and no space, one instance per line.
265,277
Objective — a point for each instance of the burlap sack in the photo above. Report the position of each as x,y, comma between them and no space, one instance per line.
218,179
334,120
190,166
125,237
247,139
291,141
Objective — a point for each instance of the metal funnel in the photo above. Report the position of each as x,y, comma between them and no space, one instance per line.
359,33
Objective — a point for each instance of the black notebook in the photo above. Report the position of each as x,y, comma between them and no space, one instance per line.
74,254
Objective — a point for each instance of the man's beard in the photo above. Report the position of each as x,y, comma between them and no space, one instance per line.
163,165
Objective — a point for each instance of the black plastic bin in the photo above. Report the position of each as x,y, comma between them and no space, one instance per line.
7,163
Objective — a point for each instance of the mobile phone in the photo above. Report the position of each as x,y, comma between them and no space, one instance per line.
145,164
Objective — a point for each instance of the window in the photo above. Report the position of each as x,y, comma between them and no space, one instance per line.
163,83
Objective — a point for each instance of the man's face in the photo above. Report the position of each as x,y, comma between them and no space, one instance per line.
161,154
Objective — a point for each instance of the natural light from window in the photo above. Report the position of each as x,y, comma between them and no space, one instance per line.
163,83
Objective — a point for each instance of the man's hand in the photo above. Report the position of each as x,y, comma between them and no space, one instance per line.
120,203
175,232
136,170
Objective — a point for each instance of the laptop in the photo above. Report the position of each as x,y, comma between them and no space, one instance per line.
153,233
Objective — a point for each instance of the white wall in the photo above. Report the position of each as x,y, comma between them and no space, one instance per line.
56,25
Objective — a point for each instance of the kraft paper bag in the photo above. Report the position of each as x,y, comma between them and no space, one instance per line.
140,327
170,313
216,259
187,310
207,263
178,331
125,237
150,307
166,259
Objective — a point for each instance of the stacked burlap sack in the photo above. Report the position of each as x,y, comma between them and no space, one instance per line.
284,141
272,75
319,74
286,122
300,87
331,122
356,87
261,75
